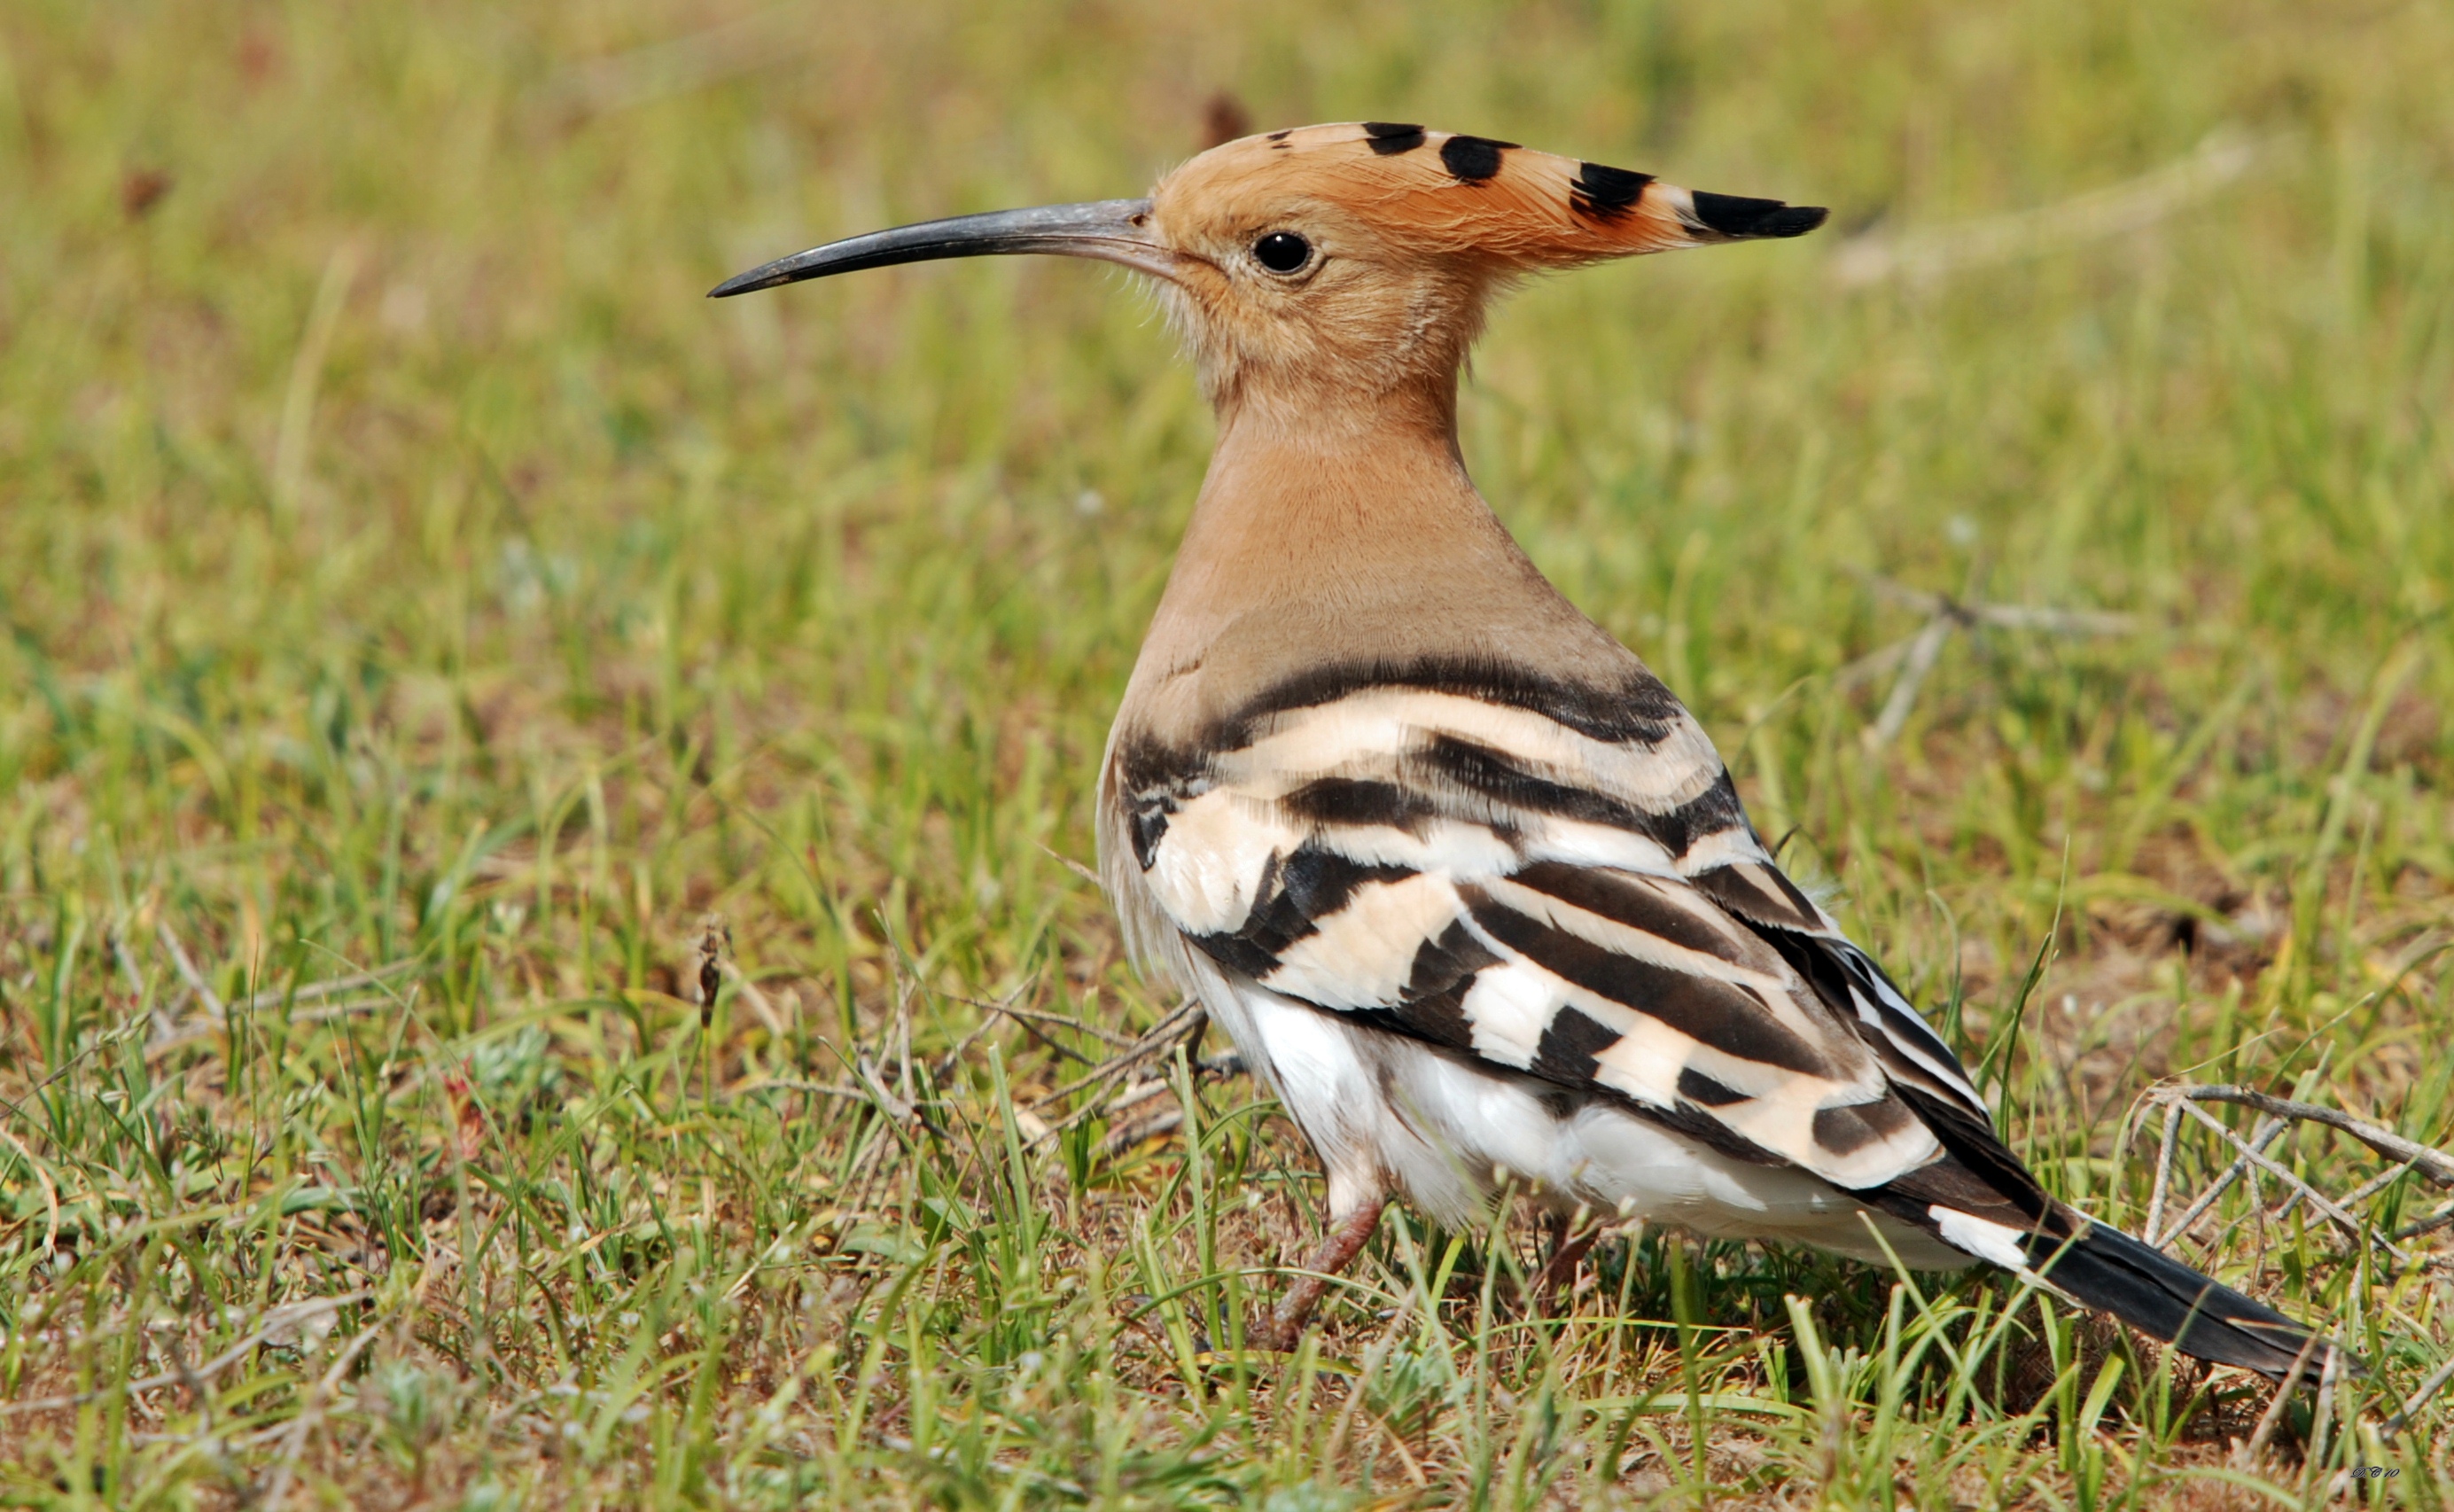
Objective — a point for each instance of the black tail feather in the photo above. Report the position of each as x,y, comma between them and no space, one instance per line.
1979,1181
2106,1269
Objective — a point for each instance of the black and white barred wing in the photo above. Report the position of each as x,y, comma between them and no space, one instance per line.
1579,902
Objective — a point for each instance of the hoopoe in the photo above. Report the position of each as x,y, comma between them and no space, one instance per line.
1468,887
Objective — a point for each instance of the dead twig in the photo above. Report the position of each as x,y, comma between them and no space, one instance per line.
276,1320
2441,1218
752,993
1042,1036
1157,1124
823,1089
1926,257
2420,1395
1184,1023
219,1012
2433,1163
2356,1195
2264,1136
312,1411
1163,1036
1109,1037
318,991
2267,1420
187,973
2351,1227
1916,657
1923,652
2163,1171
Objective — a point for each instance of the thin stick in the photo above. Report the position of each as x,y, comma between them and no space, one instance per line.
1923,257
2264,1136
312,1412
2428,1388
274,1322
1923,652
822,1089
2358,1195
2009,616
2317,1199
316,990
2274,1413
187,973
759,1001
2430,1224
1042,1036
1013,1011
2433,1163
2164,1173
127,964
1162,1037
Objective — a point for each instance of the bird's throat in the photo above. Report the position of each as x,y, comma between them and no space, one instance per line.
1351,535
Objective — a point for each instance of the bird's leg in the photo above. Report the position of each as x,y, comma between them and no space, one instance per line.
1346,1240
1569,1242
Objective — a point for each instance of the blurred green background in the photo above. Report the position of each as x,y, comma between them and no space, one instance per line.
404,566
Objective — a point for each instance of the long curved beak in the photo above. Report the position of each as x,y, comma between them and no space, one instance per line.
1114,231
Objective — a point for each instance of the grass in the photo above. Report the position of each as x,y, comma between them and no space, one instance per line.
424,611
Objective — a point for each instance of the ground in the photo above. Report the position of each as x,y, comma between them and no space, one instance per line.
439,642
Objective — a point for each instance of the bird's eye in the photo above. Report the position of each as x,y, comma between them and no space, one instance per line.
1283,251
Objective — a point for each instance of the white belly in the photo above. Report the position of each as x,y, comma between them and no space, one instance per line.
1380,1108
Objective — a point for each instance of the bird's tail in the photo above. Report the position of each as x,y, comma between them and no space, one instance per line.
1981,1200
2108,1270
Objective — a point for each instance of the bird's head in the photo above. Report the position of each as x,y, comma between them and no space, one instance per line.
1314,269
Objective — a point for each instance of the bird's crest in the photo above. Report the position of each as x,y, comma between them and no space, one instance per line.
1473,195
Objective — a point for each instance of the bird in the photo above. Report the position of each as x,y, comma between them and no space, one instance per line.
1468,887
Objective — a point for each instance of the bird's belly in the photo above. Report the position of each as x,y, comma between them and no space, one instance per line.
1381,1108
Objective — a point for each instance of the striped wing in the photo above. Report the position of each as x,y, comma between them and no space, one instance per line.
1564,887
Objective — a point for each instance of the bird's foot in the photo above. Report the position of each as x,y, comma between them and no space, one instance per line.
1556,1281
1282,1328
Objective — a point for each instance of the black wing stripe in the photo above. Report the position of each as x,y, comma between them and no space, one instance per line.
1608,964
1491,774
1705,1092
1438,1023
1759,893
1361,801
1635,709
1439,1018
1448,963
1295,895
1918,1059
1716,811
1571,1046
1900,1020
1624,898
1715,1014
1848,1129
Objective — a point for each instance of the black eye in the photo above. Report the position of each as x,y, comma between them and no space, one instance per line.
1283,251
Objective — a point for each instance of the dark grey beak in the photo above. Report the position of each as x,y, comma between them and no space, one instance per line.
1114,231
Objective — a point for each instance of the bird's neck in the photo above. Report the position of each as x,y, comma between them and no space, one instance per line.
1344,532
